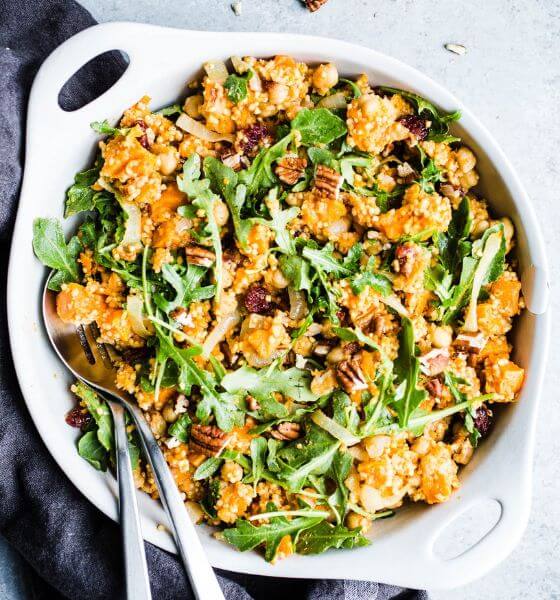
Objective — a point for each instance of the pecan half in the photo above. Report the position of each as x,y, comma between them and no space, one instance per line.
351,376
328,181
286,431
435,361
198,255
470,342
314,5
290,168
208,439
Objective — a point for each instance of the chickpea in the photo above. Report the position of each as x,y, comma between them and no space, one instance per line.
192,106
158,424
441,337
356,521
279,280
508,231
325,78
221,213
232,472
277,92
336,355
294,199
168,162
169,413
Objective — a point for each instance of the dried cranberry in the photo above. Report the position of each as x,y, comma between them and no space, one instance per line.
416,125
343,316
434,387
143,139
483,420
78,418
256,300
406,255
351,348
253,136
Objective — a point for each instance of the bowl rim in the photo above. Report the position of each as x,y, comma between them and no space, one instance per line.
91,42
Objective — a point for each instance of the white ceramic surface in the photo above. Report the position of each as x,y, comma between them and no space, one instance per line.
161,61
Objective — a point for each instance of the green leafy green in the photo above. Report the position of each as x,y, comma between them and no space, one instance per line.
207,468
180,429
439,128
246,536
167,111
297,271
370,278
91,449
260,383
186,284
236,86
430,174
259,448
318,126
80,196
53,251
104,128
100,412
323,536
407,370
356,91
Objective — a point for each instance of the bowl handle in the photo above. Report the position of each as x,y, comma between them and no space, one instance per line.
69,57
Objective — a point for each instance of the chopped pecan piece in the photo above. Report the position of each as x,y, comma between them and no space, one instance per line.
328,181
350,376
434,387
435,361
405,255
198,255
470,342
252,403
314,5
232,160
208,439
286,431
290,168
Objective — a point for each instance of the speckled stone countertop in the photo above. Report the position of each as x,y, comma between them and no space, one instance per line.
510,78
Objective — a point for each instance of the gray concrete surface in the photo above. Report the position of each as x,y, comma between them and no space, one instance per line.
510,78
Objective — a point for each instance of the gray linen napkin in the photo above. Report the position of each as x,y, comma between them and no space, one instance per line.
66,540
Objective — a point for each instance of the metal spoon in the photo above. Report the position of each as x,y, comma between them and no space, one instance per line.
91,361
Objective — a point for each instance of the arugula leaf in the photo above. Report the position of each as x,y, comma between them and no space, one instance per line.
100,412
384,200
91,449
325,260
440,121
246,536
322,156
323,536
224,409
259,448
180,429
438,280
348,163
104,128
167,111
407,369
292,382
224,181
430,174
338,472
368,277
51,249
451,381
186,284
259,176
207,468
300,459
356,91
236,86
355,335
318,126
80,196
191,184
296,270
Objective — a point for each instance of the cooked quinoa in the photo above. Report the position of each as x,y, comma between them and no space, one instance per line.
309,300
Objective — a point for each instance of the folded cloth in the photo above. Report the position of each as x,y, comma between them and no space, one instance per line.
66,540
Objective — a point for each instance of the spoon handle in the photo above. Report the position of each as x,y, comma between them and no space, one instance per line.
136,569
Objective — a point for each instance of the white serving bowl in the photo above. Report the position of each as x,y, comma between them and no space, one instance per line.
161,62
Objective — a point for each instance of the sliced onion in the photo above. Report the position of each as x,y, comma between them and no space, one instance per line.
239,65
336,430
216,71
393,302
298,304
140,325
255,83
334,101
192,106
219,333
133,227
199,130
